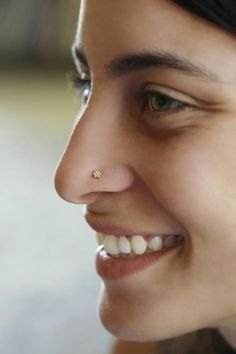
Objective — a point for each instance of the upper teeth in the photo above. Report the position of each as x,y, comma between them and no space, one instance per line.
115,245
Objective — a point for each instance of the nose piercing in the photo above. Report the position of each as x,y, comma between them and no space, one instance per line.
96,174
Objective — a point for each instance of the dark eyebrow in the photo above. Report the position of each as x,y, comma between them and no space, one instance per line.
145,60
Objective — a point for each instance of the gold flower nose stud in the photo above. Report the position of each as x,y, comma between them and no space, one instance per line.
97,174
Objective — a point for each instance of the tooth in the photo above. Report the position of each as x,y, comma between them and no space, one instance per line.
155,243
124,245
139,245
171,241
99,238
111,244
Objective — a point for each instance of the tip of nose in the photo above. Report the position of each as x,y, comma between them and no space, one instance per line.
77,188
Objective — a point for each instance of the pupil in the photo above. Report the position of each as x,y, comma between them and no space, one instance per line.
158,103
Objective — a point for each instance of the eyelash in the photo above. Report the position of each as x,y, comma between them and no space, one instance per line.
81,85
144,96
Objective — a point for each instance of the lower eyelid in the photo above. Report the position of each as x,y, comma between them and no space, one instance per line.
167,114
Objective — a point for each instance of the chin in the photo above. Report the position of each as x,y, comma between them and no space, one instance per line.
123,328
131,324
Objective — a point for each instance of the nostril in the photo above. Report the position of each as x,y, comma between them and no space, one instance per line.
68,192
89,198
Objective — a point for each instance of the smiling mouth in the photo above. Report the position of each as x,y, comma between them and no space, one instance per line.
121,256
130,246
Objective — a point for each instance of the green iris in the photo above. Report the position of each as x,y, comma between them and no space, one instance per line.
159,102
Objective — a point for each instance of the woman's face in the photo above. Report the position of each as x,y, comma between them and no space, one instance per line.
169,165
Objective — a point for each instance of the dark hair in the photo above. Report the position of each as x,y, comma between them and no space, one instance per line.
207,341
220,12
204,341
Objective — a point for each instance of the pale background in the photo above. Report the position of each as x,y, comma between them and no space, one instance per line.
48,283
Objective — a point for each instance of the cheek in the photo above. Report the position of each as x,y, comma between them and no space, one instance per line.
197,181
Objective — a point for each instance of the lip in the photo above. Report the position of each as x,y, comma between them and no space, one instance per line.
110,268
120,231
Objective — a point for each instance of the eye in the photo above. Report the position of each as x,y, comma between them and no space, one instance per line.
158,103
82,85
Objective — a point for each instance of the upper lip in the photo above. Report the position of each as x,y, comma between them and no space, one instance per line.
120,231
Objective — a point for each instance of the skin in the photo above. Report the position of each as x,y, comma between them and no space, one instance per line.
174,173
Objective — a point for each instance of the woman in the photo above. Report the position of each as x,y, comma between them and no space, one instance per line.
152,157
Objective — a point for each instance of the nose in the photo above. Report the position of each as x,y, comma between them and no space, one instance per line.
96,144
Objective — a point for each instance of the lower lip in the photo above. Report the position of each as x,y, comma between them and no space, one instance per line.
111,268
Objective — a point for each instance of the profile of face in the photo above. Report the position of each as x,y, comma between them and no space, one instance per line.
159,119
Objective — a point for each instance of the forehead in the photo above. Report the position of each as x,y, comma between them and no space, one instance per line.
111,28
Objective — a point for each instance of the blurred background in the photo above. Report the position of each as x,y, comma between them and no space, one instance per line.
49,286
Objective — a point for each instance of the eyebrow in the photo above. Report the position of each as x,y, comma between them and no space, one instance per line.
134,62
